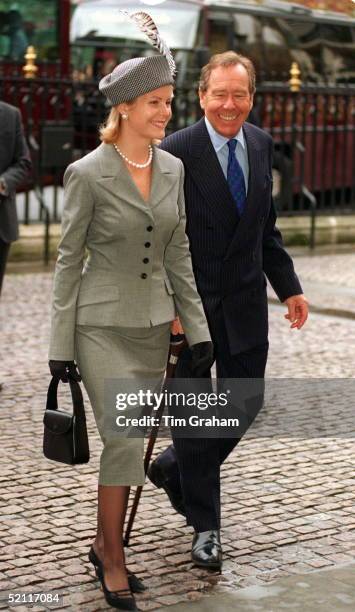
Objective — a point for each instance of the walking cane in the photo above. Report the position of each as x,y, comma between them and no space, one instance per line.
177,343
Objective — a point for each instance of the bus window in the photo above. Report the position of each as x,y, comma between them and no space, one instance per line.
100,19
3,36
113,37
324,52
282,40
30,22
248,40
14,39
219,32
338,54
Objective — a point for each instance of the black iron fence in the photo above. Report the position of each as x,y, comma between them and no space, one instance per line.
313,131
314,135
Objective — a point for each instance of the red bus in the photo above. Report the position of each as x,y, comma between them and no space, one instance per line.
76,34
79,41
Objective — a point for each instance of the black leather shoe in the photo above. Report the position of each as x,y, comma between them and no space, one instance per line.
206,549
161,473
135,584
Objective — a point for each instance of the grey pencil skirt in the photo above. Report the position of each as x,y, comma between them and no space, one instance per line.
119,353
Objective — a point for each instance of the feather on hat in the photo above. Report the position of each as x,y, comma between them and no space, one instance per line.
148,27
140,75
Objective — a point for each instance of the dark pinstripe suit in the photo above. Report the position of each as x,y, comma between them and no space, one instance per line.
230,257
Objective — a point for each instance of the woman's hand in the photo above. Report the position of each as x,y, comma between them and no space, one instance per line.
176,327
202,355
63,370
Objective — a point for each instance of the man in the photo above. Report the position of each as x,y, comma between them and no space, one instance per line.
15,165
233,242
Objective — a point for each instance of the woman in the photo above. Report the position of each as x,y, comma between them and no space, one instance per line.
124,205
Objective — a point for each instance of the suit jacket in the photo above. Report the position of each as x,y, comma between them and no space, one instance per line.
138,267
15,165
231,255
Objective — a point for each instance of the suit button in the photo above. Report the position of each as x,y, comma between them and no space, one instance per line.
149,228
144,275
147,245
146,260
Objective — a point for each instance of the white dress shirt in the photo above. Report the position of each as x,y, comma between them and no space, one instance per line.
220,145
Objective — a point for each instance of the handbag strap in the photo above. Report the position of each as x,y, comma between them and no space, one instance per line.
76,394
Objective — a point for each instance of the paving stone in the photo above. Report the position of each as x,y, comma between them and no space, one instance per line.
149,605
287,504
77,579
316,563
7,565
25,579
170,600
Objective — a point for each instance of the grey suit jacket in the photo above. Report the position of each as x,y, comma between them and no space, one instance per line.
138,271
15,164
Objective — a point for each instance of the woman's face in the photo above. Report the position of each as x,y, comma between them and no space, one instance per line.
149,114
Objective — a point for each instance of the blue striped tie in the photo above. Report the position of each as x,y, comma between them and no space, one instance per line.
235,178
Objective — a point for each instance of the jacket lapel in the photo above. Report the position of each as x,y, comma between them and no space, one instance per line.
164,177
116,180
207,173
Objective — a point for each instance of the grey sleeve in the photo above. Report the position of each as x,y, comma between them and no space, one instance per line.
77,215
179,268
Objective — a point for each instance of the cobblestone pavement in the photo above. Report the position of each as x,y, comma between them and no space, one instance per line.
288,501
328,589
328,280
332,268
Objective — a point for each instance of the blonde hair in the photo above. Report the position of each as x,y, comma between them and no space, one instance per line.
110,129
229,58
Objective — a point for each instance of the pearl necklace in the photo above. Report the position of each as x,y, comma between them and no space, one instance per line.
132,163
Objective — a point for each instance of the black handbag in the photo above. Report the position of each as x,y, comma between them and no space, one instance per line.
65,436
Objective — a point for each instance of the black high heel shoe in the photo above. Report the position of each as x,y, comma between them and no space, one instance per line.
121,599
135,584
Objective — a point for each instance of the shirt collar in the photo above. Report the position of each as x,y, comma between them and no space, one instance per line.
218,140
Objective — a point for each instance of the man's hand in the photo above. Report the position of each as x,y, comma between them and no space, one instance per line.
297,310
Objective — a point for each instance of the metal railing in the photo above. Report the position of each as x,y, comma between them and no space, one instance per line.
314,134
47,223
313,130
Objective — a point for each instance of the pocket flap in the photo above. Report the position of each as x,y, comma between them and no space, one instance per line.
96,295
57,422
168,286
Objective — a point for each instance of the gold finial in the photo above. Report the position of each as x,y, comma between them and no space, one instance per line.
30,69
295,81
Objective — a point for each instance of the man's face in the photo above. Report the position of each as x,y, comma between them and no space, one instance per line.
227,101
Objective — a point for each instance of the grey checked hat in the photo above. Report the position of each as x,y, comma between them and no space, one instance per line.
140,75
136,77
